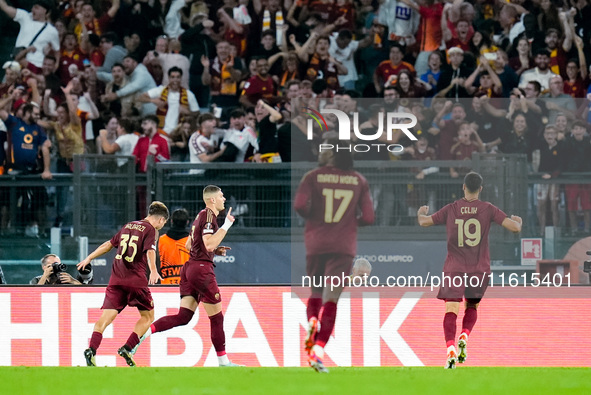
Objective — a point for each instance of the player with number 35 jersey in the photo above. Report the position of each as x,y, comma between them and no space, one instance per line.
128,285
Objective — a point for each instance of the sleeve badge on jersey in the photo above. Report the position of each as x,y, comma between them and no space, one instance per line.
208,228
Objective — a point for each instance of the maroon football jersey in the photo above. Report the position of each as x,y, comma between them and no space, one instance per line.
468,224
330,200
257,88
205,224
130,264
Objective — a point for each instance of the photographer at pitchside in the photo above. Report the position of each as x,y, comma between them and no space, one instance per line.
54,272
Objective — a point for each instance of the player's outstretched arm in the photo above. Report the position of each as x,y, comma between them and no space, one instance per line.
424,219
513,224
211,242
102,249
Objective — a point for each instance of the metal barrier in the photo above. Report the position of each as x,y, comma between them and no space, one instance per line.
102,195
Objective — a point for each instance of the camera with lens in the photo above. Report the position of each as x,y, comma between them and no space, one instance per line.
85,276
58,267
587,265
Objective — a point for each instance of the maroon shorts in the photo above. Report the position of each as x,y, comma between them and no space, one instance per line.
328,265
576,191
457,286
198,280
117,297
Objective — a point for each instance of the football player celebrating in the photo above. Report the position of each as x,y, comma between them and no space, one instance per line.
468,221
330,198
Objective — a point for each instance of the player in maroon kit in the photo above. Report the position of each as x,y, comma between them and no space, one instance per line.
467,221
330,198
128,285
198,282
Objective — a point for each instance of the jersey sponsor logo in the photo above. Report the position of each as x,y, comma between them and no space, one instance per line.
208,228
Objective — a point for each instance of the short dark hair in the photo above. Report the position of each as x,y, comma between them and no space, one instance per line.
109,37
205,117
175,69
237,113
152,118
133,57
345,34
45,4
352,93
542,51
473,182
290,83
180,218
580,123
319,86
268,32
342,159
158,209
50,57
128,125
537,85
396,44
117,65
28,108
94,39
323,37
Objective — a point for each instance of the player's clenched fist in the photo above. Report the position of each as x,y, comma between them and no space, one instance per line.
423,210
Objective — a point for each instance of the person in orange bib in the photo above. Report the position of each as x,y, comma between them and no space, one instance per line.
171,247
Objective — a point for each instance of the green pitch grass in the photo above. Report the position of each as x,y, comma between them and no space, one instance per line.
300,381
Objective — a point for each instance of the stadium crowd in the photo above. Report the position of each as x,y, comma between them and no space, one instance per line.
203,81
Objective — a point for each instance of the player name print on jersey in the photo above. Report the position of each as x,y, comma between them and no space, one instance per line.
337,179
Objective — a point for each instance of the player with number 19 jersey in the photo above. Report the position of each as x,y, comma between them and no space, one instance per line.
468,224
130,266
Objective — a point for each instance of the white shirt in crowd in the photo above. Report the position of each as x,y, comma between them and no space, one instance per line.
242,139
174,103
126,143
199,144
29,29
347,58
535,75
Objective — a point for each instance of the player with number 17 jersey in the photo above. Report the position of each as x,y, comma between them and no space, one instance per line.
334,199
330,199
